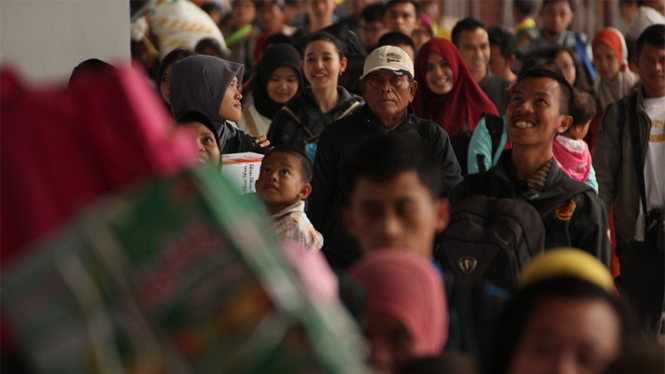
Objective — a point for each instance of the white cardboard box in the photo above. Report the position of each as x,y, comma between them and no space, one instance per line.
242,169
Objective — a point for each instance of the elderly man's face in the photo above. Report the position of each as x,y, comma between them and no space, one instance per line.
387,94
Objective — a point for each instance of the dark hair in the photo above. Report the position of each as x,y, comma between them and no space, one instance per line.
449,362
234,2
581,77
325,36
501,36
382,157
93,65
570,2
276,39
524,7
654,35
171,58
207,42
622,2
306,169
518,311
194,116
396,38
209,7
566,88
643,359
415,4
466,24
373,13
584,108
536,63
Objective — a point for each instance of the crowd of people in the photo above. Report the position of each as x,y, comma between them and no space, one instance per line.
497,194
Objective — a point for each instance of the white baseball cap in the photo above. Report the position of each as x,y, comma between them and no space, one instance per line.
390,58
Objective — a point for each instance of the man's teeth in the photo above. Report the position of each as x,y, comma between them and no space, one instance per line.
523,124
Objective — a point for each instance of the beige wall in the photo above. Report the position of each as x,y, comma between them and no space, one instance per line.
46,39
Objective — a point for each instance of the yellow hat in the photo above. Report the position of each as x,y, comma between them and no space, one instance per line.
561,262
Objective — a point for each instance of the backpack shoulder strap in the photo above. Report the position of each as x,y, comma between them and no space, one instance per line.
495,128
571,188
581,53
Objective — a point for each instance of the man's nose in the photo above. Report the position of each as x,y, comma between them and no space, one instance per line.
525,106
391,226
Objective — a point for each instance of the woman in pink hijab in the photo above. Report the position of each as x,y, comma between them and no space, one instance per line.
406,316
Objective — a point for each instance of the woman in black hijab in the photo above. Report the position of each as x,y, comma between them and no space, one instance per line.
278,82
209,85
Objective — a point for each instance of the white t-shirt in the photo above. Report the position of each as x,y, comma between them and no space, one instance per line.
654,165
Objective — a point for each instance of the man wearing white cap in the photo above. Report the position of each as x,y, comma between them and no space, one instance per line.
387,86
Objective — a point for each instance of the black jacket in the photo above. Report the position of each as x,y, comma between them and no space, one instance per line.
585,229
337,141
238,141
288,129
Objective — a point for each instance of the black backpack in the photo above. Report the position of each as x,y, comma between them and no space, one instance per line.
491,239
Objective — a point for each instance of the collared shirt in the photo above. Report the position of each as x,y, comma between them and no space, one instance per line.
496,90
536,181
291,224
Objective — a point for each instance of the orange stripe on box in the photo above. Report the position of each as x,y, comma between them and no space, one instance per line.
184,24
162,22
173,24
657,138
192,27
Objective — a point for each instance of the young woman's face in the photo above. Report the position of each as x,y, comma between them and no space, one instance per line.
322,65
568,336
164,82
231,109
567,65
606,62
439,75
391,344
282,84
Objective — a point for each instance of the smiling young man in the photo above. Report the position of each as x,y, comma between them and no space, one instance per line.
642,272
537,113
402,16
388,88
556,17
471,39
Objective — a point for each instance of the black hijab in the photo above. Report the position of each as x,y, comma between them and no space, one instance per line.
276,56
199,83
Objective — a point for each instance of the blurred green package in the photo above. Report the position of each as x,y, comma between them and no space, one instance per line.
178,276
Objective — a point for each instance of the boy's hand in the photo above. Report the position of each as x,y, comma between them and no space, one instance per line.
263,141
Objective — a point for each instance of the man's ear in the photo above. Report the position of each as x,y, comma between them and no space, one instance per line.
511,60
566,122
305,190
412,90
349,222
442,207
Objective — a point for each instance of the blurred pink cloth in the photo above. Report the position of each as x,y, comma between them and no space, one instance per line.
313,271
407,287
61,148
